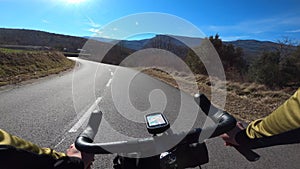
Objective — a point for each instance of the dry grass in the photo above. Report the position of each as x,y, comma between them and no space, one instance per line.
246,101
20,65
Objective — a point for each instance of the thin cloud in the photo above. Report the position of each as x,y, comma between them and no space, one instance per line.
95,31
253,27
257,26
92,23
290,21
233,38
107,37
95,28
293,31
45,21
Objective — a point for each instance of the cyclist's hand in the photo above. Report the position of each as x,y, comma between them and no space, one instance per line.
229,137
87,159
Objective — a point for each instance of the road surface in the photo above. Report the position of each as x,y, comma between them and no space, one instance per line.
52,111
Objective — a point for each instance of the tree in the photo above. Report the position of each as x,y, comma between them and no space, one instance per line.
285,46
230,56
274,70
291,67
266,69
194,63
217,42
280,68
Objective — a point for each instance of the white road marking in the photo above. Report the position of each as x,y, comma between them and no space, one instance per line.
59,142
108,83
85,116
111,73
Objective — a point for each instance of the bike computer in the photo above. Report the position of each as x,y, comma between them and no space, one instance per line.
156,123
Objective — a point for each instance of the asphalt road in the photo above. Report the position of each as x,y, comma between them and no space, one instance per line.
52,111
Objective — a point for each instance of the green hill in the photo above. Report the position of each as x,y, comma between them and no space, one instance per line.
20,65
38,38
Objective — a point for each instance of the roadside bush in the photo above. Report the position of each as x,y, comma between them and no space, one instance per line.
274,70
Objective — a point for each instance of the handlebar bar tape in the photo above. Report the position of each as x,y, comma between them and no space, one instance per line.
93,125
225,121
205,104
85,140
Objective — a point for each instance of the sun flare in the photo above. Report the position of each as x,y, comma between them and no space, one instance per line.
75,1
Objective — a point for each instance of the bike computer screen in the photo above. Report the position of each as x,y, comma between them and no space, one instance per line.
156,123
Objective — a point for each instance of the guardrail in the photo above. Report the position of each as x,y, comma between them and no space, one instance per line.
67,54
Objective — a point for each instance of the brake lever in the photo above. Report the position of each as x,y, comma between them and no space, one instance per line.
249,154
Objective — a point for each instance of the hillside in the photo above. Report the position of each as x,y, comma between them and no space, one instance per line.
19,65
253,49
40,38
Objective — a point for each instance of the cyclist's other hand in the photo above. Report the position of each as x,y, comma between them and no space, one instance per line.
229,137
87,159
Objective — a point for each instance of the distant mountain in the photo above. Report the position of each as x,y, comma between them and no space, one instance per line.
130,44
174,44
144,43
189,41
106,40
177,44
134,44
40,38
252,48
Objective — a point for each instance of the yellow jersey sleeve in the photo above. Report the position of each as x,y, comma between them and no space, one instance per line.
284,118
8,139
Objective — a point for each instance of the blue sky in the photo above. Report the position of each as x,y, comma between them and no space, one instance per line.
235,19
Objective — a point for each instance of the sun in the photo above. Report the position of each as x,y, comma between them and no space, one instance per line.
75,1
